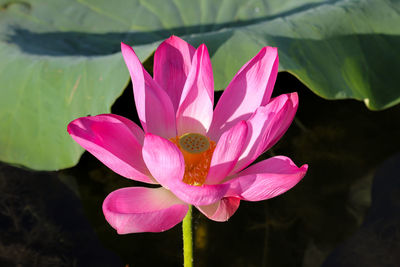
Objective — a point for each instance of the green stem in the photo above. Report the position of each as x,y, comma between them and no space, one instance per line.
187,239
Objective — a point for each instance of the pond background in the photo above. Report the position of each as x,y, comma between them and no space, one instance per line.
60,60
55,218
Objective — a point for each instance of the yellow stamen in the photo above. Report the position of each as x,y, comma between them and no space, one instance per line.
197,151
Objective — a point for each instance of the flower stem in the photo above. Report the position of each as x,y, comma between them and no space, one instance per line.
187,239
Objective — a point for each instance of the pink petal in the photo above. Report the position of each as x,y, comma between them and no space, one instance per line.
115,141
153,105
250,88
166,164
226,153
140,209
195,110
172,62
266,179
222,210
266,127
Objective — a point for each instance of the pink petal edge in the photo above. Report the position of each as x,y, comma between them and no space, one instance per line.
222,210
249,89
115,141
265,179
172,63
154,107
141,209
195,110
227,153
266,127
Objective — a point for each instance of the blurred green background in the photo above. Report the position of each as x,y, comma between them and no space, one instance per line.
60,60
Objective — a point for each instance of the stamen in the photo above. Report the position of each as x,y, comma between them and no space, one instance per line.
197,151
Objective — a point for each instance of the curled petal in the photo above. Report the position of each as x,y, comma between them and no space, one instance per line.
153,105
266,179
172,62
266,127
140,209
195,110
115,141
222,210
250,88
226,153
282,121
165,162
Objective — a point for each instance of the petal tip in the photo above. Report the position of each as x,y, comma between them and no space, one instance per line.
304,167
202,47
243,124
125,46
73,124
272,49
174,39
150,136
69,130
294,97
268,49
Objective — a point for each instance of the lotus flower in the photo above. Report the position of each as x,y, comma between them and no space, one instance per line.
198,155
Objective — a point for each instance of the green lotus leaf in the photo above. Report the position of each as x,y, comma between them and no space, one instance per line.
60,60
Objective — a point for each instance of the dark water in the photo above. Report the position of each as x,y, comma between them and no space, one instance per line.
55,218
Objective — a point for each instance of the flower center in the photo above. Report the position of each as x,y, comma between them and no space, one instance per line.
197,151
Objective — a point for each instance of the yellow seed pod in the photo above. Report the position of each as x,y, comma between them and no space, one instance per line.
194,143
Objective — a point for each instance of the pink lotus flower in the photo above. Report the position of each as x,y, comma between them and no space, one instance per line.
197,155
